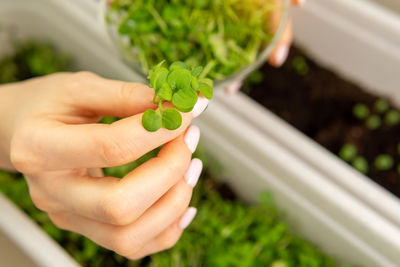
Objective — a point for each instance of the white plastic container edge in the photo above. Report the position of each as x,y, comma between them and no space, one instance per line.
361,41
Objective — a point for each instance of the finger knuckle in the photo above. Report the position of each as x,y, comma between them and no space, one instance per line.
125,244
113,152
169,238
23,160
180,199
59,221
115,210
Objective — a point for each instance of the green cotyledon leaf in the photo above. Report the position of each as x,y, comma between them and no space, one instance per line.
151,120
171,119
184,99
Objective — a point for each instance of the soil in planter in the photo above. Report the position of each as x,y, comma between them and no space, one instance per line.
334,112
226,232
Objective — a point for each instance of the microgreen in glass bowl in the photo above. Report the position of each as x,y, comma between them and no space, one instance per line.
230,38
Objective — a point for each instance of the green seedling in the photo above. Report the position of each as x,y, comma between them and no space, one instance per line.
361,111
384,162
392,117
381,105
348,152
300,65
180,85
224,36
360,164
373,122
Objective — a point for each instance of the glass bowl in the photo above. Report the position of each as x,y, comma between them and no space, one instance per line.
121,37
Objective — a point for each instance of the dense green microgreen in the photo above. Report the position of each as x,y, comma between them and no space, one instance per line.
348,152
384,162
361,111
180,85
361,164
224,36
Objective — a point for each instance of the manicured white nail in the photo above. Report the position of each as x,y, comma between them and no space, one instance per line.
187,218
233,88
192,137
200,106
281,55
193,172
301,2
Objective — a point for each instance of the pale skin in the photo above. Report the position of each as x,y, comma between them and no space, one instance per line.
49,132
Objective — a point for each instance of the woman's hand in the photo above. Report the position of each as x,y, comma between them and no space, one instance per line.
50,133
281,50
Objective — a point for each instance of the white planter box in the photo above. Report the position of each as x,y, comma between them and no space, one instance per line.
256,157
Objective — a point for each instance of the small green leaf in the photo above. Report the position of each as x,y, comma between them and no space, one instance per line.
348,152
180,78
158,78
206,90
185,99
392,117
195,83
151,120
197,71
360,164
171,119
165,92
178,65
384,162
361,111
373,122
381,105
207,81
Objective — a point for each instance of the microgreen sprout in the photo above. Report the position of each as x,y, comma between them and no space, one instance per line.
373,122
361,111
224,36
392,117
179,85
381,105
348,152
360,164
384,162
300,65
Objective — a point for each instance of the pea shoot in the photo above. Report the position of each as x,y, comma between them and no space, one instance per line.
180,85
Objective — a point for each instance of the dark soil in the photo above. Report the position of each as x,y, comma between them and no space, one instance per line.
320,104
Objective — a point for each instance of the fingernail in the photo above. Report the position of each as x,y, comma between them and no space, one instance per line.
200,106
187,218
193,172
301,2
281,55
192,137
233,88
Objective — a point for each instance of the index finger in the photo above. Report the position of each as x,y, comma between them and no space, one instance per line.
61,146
